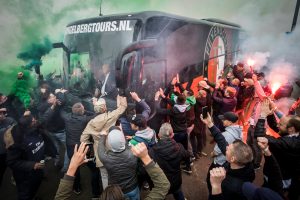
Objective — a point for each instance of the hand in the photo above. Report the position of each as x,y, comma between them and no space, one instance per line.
161,92
157,94
174,81
103,133
63,90
265,108
140,150
217,175
128,137
262,142
38,166
205,79
78,158
94,100
272,105
207,121
135,96
263,145
177,77
26,113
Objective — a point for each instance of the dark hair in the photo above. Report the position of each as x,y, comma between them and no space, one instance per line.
112,192
140,121
181,99
294,122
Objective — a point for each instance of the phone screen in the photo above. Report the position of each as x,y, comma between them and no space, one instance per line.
204,112
90,155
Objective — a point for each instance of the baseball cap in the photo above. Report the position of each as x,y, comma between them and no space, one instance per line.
252,192
230,116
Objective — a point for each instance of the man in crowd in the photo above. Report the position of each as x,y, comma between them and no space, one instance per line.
178,121
168,154
286,148
120,163
50,112
5,123
25,155
102,122
75,124
239,157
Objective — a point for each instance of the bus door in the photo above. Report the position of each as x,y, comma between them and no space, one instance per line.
129,72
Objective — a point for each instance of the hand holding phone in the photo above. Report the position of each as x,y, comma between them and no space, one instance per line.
204,112
90,155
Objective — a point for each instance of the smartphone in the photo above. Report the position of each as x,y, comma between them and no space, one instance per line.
204,112
90,154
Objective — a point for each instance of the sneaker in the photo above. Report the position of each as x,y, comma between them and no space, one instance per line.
77,191
193,158
187,170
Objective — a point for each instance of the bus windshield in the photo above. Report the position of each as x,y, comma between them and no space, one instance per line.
93,44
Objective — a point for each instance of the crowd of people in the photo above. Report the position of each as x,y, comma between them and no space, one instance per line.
124,154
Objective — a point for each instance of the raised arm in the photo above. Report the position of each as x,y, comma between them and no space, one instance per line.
160,181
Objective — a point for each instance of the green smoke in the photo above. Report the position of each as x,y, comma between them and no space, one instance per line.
34,53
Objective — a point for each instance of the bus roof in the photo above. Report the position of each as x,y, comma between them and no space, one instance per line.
148,14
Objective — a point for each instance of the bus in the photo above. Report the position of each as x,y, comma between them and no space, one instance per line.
145,50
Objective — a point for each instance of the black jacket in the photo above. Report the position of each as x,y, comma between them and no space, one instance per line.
227,104
177,116
230,186
168,154
285,149
75,124
27,149
51,118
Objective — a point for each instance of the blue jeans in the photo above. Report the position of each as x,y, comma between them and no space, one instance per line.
134,194
178,195
59,140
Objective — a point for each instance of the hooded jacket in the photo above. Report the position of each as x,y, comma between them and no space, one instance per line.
147,136
231,134
168,154
177,116
121,166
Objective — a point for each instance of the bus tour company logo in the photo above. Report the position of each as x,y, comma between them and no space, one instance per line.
214,54
107,26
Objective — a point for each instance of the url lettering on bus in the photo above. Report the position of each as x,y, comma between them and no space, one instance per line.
100,27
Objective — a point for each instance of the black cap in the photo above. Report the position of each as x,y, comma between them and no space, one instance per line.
230,116
139,120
